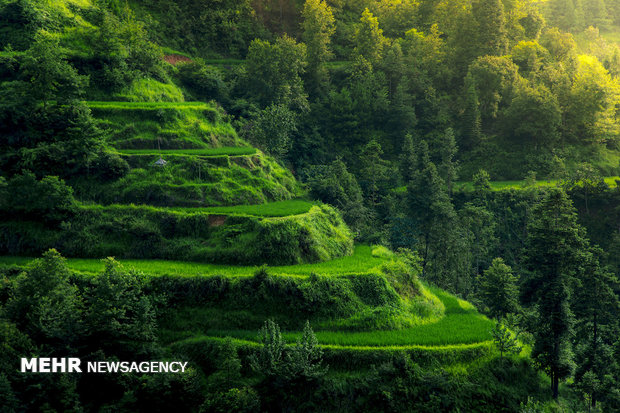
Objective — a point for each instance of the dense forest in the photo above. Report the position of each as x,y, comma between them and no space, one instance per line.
321,205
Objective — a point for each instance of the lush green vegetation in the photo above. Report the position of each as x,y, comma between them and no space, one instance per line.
361,260
230,151
475,144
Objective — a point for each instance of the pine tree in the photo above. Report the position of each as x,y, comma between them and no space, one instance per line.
448,168
472,123
307,356
555,248
434,218
597,308
407,160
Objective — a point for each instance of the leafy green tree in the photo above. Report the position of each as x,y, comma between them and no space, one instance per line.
494,79
586,181
491,37
273,72
504,340
120,317
482,182
272,129
307,356
555,249
318,27
369,39
48,199
498,288
271,359
335,185
533,118
471,120
434,218
43,125
46,306
590,115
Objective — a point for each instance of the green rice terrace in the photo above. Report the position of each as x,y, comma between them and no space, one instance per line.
366,306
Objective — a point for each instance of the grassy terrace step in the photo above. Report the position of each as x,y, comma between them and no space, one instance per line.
361,260
505,185
468,186
207,152
114,105
175,125
462,324
270,209
130,231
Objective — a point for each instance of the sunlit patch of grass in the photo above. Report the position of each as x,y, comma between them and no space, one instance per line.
227,150
461,325
361,260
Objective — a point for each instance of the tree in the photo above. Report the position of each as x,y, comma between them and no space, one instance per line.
471,120
429,206
504,340
307,356
335,185
229,368
271,358
533,118
373,173
498,288
491,37
482,183
597,307
48,199
408,160
369,40
479,228
318,27
448,168
273,72
554,253
120,317
591,112
44,126
272,129
46,306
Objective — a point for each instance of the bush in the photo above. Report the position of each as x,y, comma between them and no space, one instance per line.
205,82
48,200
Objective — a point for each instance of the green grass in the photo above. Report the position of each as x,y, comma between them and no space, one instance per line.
461,325
147,105
504,185
228,150
271,209
361,260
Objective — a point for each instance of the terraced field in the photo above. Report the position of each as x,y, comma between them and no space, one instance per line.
458,333
207,152
361,260
460,325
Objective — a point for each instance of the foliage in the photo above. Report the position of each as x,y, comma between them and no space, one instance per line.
498,289
504,340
